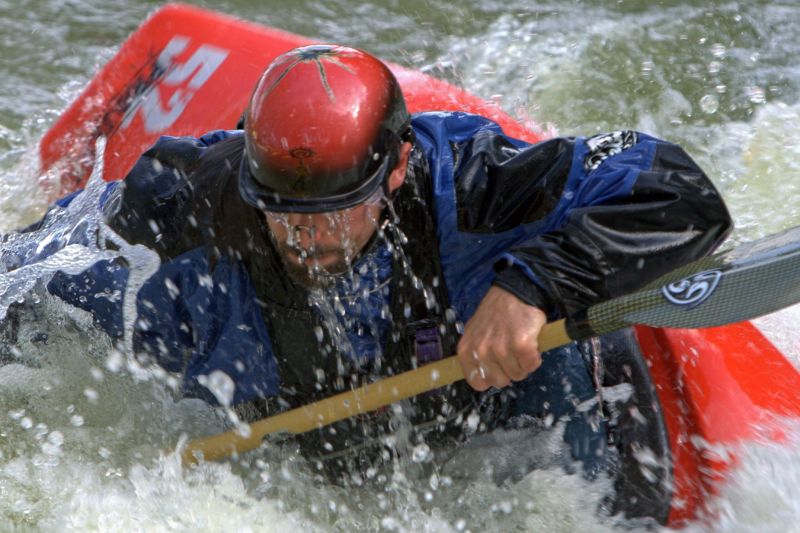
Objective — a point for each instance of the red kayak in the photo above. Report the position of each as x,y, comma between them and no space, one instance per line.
699,393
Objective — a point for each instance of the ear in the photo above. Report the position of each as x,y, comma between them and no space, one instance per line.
398,175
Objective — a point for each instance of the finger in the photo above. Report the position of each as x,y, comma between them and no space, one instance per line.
477,380
511,366
490,373
479,371
474,372
530,361
468,359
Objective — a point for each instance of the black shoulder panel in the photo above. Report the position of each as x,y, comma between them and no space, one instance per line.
499,186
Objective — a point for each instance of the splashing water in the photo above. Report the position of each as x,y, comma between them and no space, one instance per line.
71,240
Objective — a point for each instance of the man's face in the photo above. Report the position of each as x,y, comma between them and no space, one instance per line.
315,246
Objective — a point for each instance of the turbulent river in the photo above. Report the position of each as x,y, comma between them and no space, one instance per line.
85,433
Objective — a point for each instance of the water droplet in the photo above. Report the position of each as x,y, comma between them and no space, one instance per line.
718,50
56,438
244,430
76,420
421,453
114,361
709,104
91,395
756,94
472,422
220,384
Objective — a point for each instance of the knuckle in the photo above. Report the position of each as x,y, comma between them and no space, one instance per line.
519,375
523,344
501,381
530,364
503,355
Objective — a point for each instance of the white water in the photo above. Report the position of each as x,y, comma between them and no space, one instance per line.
81,426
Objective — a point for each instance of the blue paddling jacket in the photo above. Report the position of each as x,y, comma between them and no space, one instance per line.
562,224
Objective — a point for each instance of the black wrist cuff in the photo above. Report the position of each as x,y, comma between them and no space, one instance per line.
517,283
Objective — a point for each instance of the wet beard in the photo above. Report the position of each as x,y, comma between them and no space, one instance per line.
312,276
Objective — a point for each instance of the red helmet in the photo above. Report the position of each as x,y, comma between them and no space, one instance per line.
322,130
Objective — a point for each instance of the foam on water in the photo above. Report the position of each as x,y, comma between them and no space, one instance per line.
763,492
86,448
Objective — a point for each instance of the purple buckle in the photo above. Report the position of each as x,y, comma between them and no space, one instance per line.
427,346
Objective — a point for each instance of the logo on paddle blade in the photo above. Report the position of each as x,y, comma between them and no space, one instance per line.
693,290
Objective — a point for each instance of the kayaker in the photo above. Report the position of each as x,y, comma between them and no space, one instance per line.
336,240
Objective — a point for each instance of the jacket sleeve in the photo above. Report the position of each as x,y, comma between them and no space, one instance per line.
157,208
152,207
606,214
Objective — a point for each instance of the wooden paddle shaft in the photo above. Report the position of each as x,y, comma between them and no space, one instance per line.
347,404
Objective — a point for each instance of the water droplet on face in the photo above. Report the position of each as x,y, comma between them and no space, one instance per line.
709,104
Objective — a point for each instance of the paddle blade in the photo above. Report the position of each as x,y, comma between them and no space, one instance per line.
751,280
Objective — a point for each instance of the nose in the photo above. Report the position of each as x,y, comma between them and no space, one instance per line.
307,230
304,235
